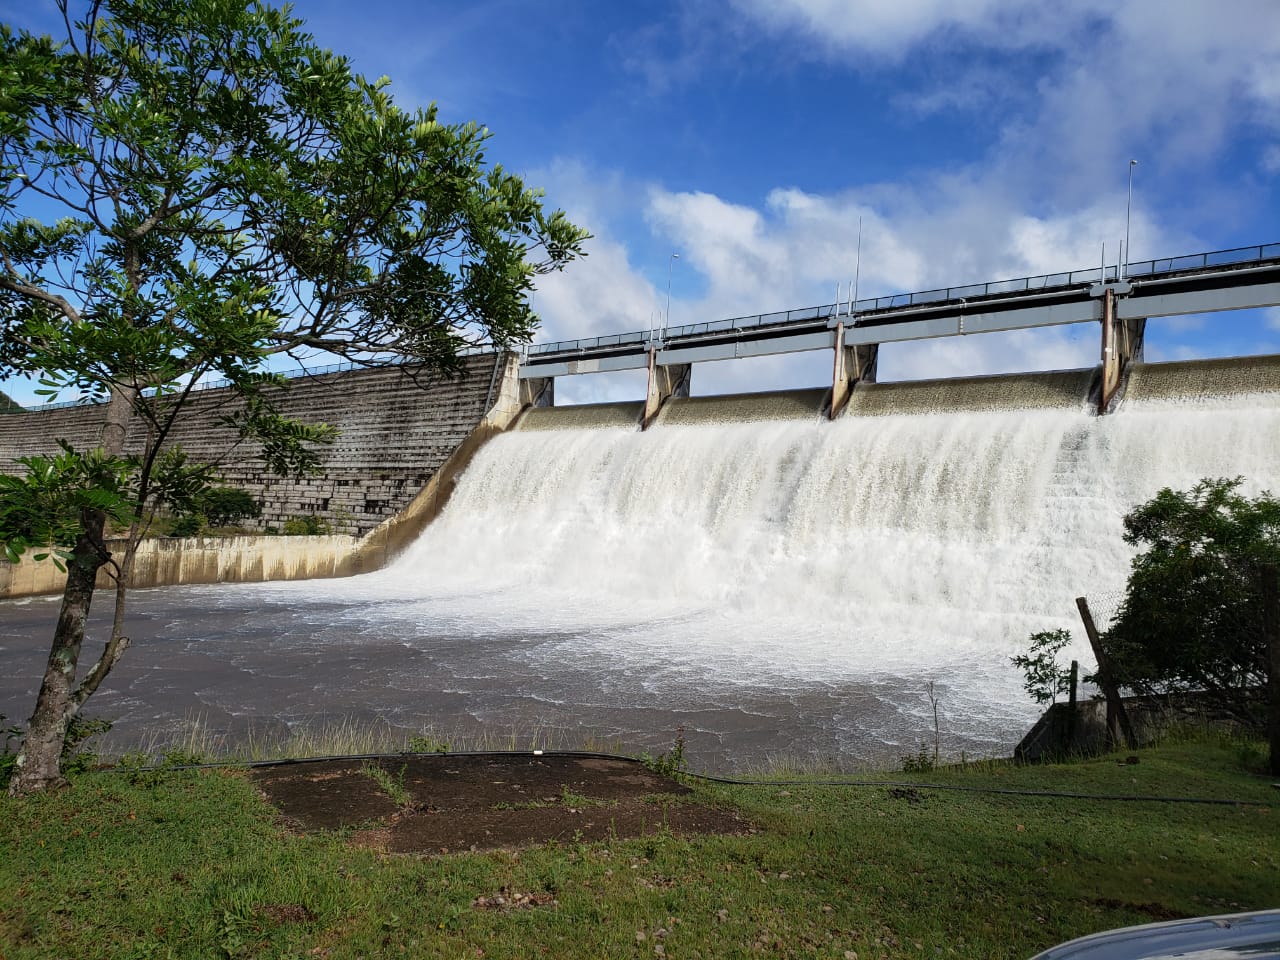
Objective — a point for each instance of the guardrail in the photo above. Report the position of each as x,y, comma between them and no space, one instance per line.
1146,269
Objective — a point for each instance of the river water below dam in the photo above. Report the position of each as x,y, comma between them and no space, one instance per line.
781,588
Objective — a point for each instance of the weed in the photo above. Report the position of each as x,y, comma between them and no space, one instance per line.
571,799
392,786
552,877
8,760
307,525
922,761
1253,756
79,731
231,935
668,764
527,805
181,758
426,743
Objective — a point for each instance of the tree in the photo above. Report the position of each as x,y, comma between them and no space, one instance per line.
1200,608
189,190
1043,678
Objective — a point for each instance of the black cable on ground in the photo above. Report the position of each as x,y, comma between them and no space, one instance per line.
706,777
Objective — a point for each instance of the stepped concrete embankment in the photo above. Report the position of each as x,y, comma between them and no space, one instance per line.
401,447
394,433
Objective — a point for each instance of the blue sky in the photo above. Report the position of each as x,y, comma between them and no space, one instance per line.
975,140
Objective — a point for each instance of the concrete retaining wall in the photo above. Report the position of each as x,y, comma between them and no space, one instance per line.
394,434
165,562
1057,734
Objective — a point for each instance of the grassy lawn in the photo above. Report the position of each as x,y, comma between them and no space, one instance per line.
194,864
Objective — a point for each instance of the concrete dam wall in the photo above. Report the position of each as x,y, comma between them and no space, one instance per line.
403,447
394,434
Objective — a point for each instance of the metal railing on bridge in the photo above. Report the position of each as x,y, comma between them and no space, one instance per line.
1144,269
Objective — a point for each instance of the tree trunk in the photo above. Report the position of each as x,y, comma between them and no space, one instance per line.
1271,631
115,422
39,763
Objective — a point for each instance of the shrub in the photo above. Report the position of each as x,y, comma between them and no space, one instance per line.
227,506
308,525
189,525
8,758
1043,678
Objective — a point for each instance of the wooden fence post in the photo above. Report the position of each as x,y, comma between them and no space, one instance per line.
1117,718
1072,716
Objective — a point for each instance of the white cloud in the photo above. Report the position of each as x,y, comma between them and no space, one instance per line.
891,27
795,247
1173,80
603,292
794,250
600,294
1059,348
1168,82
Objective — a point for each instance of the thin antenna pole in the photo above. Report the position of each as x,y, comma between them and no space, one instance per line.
666,318
857,271
1128,208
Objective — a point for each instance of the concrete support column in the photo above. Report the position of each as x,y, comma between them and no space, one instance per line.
1121,346
538,392
664,382
851,365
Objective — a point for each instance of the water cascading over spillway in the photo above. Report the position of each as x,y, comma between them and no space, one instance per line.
842,565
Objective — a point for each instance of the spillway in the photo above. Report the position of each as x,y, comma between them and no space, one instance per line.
920,537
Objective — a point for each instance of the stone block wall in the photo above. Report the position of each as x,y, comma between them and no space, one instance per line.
393,435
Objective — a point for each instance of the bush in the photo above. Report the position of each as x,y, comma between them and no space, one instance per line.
1043,678
214,507
308,525
75,759
227,506
189,525
8,758
1194,614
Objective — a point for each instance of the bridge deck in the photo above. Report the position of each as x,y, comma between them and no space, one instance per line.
1198,283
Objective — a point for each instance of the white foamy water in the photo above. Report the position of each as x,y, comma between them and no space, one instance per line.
836,567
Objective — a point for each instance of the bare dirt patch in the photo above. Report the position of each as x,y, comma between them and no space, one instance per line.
457,802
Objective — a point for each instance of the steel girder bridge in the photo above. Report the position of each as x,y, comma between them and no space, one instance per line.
1121,298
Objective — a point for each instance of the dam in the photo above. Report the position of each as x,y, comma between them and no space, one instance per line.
799,574
778,583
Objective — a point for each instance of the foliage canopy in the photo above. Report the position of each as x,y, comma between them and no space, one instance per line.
191,189
1193,617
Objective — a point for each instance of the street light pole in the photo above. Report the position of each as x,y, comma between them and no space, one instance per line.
666,318
1128,209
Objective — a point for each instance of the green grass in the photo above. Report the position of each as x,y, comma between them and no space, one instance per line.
344,736
194,864
391,785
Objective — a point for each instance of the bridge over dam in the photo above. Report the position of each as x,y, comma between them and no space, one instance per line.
402,447
1119,299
